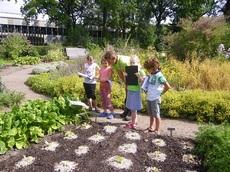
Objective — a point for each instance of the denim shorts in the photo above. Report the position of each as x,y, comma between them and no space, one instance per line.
153,108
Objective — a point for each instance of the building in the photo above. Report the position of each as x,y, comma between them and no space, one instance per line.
39,32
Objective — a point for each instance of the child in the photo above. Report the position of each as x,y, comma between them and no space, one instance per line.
90,69
105,75
133,101
157,86
118,63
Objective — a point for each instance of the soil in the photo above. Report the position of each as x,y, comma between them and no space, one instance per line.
178,149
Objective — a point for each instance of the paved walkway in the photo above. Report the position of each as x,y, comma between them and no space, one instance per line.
14,79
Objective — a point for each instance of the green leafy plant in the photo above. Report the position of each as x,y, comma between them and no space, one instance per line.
212,141
27,60
15,45
33,119
10,98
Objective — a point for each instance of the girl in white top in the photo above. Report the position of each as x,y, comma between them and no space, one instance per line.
90,69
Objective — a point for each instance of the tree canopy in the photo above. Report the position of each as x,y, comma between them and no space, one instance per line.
135,18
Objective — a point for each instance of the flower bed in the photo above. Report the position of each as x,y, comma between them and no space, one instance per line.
103,147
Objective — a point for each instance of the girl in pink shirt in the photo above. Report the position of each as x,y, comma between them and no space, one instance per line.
105,75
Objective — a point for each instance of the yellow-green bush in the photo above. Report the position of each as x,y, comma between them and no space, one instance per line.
42,84
209,75
118,95
198,105
71,84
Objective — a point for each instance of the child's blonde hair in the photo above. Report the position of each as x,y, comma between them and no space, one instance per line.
135,58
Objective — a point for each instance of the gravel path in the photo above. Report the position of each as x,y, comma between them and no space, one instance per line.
14,78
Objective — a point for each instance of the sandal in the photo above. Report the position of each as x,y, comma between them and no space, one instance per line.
130,126
97,110
130,122
149,130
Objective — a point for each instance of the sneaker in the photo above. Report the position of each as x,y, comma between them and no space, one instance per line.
127,118
111,116
103,114
126,112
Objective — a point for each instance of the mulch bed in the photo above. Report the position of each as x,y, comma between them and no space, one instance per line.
95,159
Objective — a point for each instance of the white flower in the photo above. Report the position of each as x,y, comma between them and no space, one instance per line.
110,129
159,142
152,169
97,138
119,162
157,155
85,126
25,161
133,135
65,166
82,150
189,158
69,135
128,148
51,146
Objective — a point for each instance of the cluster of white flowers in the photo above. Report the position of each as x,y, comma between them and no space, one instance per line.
110,129
25,161
221,49
65,166
51,146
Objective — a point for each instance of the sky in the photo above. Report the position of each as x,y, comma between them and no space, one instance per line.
12,7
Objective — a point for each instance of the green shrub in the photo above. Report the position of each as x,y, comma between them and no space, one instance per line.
71,84
213,144
118,95
203,37
54,55
42,50
27,60
198,105
42,84
15,45
10,98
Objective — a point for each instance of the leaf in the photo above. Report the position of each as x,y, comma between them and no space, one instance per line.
19,144
22,142
34,130
3,148
11,142
35,139
12,132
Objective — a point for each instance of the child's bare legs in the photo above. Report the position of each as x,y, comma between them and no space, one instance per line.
95,104
158,125
134,117
151,122
132,124
90,103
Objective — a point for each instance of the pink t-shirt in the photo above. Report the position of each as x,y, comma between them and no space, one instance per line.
104,74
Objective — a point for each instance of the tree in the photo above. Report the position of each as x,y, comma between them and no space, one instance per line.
201,37
116,17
